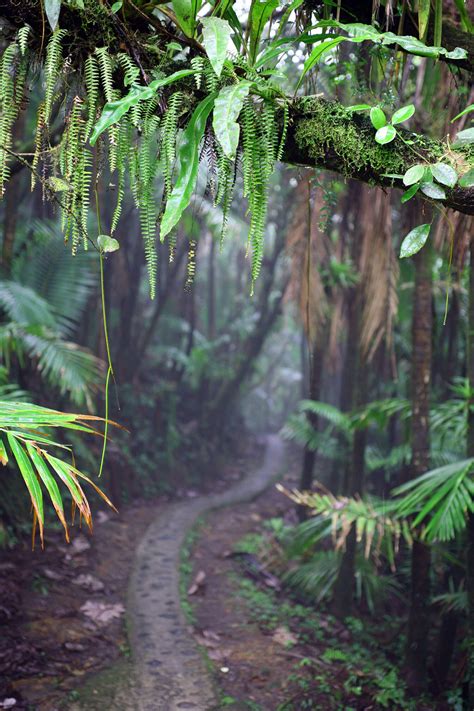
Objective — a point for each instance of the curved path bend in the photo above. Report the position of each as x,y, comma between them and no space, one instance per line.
170,672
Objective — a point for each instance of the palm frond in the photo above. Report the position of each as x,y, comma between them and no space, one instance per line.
25,434
48,269
440,500
376,522
327,412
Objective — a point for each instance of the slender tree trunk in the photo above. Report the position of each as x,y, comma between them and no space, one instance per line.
309,455
345,583
470,453
418,623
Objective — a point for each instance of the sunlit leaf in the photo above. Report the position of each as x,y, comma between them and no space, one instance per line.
414,240
467,180
216,35
436,192
414,174
107,243
386,134
377,117
227,108
403,114
444,174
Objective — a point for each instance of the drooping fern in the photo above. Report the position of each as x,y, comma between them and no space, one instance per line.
169,134
52,69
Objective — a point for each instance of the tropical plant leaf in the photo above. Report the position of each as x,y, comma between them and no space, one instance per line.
29,476
114,110
216,35
227,108
439,499
189,165
415,240
260,13
186,13
444,174
52,9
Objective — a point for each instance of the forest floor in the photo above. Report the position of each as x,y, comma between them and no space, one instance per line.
62,609
62,615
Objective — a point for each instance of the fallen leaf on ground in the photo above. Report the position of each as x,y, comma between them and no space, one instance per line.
197,583
79,545
89,582
101,613
283,636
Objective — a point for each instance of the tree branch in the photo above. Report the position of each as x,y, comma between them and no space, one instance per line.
324,134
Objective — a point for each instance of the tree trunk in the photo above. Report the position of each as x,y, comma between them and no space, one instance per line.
470,453
418,623
315,379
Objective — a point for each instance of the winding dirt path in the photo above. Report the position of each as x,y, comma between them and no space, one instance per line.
170,672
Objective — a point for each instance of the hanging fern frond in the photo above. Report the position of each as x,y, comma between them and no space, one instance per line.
169,132
52,69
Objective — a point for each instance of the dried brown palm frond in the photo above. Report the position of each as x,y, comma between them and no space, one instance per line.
308,248
379,272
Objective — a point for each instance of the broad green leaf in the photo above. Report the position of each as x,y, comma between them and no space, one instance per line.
403,114
117,6
414,174
260,13
188,166
433,191
377,117
386,134
444,174
408,194
467,110
107,243
186,12
227,108
29,476
216,35
414,240
52,9
423,17
58,184
114,110
49,482
467,180
464,138
316,55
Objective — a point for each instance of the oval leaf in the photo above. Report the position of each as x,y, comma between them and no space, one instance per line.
216,34
464,138
188,166
414,240
433,191
377,117
467,180
414,174
444,174
107,244
227,108
386,134
410,193
403,114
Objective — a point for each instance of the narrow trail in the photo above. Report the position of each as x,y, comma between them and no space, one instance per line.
170,673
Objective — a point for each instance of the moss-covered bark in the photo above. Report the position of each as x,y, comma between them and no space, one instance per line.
325,134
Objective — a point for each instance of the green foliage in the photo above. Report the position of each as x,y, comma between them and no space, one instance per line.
25,432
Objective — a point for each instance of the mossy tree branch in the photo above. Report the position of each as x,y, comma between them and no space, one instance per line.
324,134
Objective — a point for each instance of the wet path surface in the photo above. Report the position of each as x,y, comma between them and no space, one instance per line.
170,673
